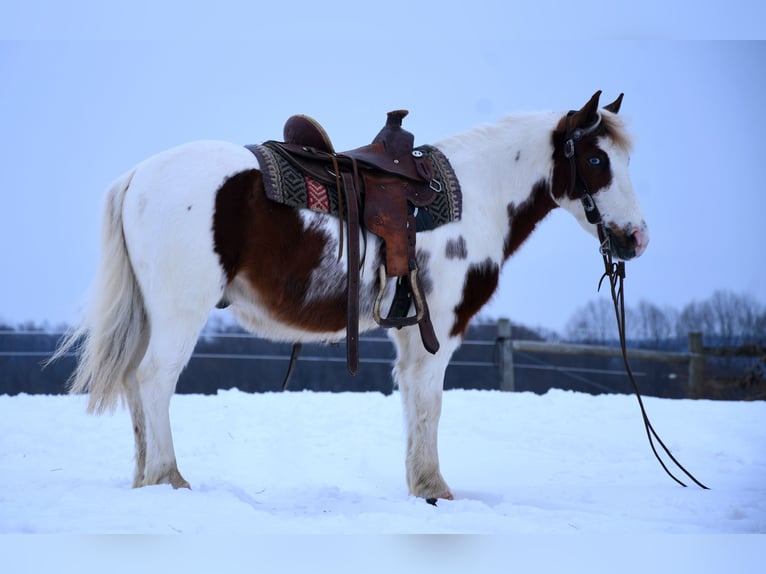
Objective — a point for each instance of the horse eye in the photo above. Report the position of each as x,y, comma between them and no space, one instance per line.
594,160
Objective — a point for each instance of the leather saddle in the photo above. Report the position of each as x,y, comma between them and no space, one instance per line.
384,182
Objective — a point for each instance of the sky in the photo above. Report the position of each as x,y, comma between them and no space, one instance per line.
89,89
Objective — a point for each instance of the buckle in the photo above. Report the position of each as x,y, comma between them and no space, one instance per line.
591,210
606,247
588,203
569,148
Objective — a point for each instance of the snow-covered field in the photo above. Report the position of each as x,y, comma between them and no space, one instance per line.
316,462
305,463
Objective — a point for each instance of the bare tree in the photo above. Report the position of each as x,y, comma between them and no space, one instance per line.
731,318
593,323
760,329
695,316
725,318
648,322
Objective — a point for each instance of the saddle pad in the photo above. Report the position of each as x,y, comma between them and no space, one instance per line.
286,184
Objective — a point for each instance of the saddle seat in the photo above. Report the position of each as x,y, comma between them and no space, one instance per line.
385,180
391,152
306,131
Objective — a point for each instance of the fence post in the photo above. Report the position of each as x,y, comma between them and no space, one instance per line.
696,362
505,349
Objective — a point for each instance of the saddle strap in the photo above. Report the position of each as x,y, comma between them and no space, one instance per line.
409,290
350,189
427,333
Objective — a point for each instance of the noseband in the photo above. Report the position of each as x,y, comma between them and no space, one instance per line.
572,137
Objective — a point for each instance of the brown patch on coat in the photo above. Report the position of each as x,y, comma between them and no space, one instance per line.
480,283
456,248
524,218
268,245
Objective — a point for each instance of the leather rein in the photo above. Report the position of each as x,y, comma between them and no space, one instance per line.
615,272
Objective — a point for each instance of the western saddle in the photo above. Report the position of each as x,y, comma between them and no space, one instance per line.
386,181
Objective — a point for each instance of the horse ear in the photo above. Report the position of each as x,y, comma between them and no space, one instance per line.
614,107
588,113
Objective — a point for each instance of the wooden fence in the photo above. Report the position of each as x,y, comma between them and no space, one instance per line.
694,357
486,360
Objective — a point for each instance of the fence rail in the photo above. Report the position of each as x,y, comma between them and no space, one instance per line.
694,357
502,361
597,351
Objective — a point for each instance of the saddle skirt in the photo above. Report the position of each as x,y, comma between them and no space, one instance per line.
285,182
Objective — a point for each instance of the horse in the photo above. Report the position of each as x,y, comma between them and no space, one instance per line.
191,227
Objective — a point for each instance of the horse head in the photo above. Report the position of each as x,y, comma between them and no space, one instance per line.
591,180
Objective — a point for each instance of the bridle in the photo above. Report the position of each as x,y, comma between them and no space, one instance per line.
592,214
616,274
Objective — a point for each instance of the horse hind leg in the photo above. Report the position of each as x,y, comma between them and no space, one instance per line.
170,346
178,299
136,407
175,322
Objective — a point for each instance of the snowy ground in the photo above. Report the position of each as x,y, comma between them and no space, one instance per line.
309,463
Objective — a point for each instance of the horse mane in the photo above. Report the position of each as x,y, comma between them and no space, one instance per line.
615,129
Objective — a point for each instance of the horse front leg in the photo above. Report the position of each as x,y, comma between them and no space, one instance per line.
420,377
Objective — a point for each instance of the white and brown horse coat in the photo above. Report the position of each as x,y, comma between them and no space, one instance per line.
191,226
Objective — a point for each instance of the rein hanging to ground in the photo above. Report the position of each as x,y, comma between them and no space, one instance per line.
616,274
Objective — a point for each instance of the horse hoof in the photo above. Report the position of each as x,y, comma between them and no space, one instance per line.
171,477
180,484
177,481
445,496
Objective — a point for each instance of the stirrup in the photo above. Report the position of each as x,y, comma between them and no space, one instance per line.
417,299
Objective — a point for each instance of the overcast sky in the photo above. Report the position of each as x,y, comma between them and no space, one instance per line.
85,93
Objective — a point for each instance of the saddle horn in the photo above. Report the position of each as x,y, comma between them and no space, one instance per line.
397,141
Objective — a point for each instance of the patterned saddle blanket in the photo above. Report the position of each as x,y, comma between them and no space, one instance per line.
285,182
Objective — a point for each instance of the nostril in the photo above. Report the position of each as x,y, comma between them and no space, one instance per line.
640,239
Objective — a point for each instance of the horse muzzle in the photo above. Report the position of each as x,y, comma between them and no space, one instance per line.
627,242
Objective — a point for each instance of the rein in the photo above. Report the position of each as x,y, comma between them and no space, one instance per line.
615,272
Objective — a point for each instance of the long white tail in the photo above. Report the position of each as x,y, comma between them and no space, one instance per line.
113,335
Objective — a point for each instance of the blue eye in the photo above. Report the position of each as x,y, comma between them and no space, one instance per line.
594,160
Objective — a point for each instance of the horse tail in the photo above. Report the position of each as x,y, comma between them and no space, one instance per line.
112,337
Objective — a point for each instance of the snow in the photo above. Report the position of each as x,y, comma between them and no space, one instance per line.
553,483
333,463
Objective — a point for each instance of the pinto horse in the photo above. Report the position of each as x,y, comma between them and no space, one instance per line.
191,226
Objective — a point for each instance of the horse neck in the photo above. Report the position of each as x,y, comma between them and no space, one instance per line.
505,171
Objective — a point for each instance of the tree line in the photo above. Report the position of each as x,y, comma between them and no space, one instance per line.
725,318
